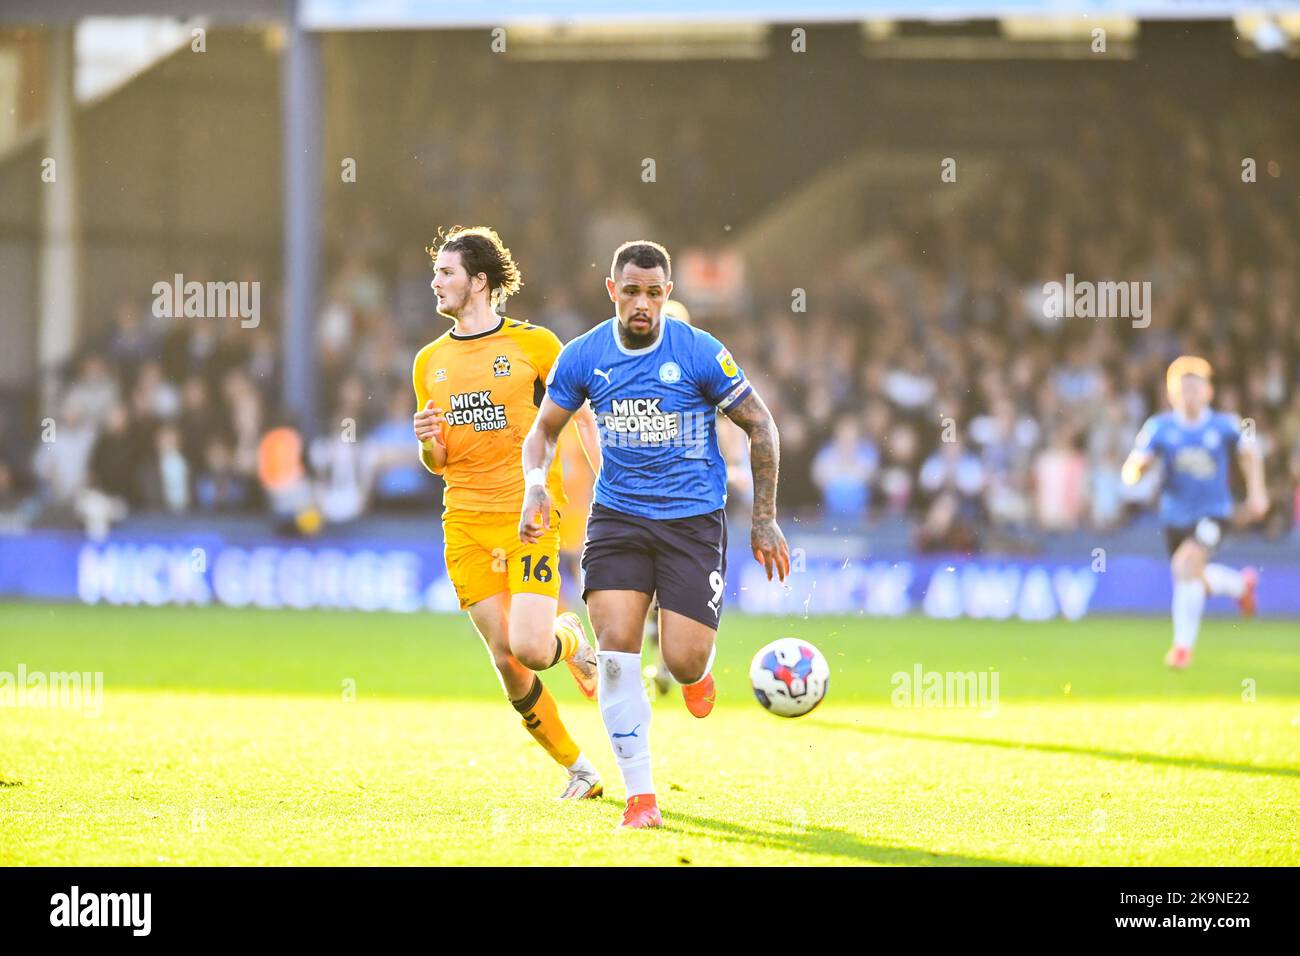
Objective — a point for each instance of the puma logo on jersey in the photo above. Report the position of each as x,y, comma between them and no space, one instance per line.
604,375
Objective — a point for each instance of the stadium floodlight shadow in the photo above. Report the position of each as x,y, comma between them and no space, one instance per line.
1191,763
820,840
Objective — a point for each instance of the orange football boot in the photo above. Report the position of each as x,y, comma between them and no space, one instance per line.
700,697
642,811
1250,580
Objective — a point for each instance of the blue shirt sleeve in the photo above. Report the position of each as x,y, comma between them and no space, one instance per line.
1231,430
565,384
1146,438
720,379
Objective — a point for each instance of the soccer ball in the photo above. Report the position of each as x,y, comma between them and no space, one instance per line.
789,677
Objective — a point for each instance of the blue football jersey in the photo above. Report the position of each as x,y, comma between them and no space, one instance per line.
656,408
1195,456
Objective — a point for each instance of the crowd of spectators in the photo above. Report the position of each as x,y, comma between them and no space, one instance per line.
929,380
924,382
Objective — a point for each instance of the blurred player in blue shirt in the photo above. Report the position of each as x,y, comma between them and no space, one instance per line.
658,523
1193,444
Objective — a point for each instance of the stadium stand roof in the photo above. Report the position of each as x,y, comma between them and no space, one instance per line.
426,14
67,11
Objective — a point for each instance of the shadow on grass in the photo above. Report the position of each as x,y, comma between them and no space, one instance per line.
822,841
1193,763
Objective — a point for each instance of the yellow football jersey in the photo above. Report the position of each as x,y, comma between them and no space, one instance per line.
578,486
490,386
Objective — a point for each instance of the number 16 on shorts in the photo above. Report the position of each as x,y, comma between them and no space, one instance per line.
536,567
534,570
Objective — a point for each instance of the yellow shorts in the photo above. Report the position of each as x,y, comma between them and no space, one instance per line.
485,556
573,527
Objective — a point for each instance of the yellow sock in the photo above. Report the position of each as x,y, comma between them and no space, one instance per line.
542,720
566,641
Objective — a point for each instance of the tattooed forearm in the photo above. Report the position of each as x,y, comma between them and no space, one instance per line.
764,451
765,538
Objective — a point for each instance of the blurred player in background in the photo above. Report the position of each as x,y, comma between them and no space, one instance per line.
478,388
1192,443
658,524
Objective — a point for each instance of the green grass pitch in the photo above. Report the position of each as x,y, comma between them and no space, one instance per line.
226,738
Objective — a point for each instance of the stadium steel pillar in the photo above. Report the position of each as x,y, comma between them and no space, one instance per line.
300,172
59,279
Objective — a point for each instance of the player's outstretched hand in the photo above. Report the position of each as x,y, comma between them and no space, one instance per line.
1254,508
769,547
535,518
428,423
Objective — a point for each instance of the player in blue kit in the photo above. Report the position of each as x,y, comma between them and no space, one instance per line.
657,524
1193,443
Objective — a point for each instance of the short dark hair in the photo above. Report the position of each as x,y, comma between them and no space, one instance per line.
643,253
481,250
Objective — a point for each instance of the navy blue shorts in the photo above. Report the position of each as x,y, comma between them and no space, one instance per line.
1208,532
682,560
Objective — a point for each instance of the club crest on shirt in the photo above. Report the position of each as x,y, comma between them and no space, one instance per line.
1210,439
727,362
670,372
501,366
440,375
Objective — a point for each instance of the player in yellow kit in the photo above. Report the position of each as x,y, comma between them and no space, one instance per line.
579,482
477,389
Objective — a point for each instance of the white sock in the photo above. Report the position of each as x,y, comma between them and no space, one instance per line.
1222,579
581,765
626,709
708,668
1189,601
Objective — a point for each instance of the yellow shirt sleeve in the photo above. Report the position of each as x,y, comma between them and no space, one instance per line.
417,377
547,349
422,399
543,347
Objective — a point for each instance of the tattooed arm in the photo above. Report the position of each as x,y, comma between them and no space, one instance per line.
765,537
538,453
